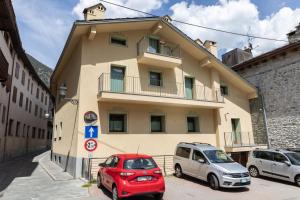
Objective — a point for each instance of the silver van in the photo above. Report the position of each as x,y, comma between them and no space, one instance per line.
280,164
206,162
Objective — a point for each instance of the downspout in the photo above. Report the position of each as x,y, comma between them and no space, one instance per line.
8,106
265,117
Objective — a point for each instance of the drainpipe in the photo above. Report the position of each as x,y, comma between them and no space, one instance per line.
8,106
265,117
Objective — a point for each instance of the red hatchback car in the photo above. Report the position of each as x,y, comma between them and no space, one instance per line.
128,175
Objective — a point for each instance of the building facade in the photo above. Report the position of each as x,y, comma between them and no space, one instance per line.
276,113
150,87
24,98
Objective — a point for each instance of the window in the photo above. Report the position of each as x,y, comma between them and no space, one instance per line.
30,103
18,129
31,87
115,162
42,97
46,100
109,161
278,157
26,104
154,45
139,164
36,109
193,124
33,132
61,130
23,78
264,155
155,79
15,91
17,71
37,93
10,127
117,122
21,99
224,90
28,128
183,152
41,113
24,130
197,155
39,133
11,48
157,123
28,84
3,114
118,40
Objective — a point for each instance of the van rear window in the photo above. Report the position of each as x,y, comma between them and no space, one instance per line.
183,152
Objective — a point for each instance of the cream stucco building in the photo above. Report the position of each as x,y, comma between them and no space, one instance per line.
24,98
151,87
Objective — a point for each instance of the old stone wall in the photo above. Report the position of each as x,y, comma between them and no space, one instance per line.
279,83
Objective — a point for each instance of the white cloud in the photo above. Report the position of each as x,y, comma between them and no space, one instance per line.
236,16
115,11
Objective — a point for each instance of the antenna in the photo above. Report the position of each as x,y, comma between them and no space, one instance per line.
137,152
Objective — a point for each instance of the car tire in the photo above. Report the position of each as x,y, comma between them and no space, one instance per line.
253,171
115,195
158,196
99,181
213,182
178,171
297,180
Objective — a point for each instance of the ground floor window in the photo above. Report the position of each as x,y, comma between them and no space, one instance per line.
193,124
117,122
157,123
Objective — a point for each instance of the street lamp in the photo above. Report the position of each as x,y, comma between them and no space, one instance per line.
62,92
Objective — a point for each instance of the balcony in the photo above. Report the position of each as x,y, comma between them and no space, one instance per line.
137,90
155,52
240,141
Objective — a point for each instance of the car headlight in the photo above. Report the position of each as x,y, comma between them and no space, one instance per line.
227,175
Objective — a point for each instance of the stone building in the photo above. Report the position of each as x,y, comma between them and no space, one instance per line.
24,98
276,113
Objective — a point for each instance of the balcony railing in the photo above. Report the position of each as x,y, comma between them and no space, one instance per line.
140,86
162,48
238,139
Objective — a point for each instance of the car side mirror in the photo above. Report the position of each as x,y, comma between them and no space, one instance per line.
287,163
102,165
201,160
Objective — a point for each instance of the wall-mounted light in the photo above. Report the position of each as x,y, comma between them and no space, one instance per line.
62,92
226,116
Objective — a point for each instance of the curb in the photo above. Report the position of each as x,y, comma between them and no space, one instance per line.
45,168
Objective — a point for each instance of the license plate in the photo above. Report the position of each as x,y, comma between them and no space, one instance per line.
244,180
144,178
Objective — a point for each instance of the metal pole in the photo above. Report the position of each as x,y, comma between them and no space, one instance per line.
165,165
89,170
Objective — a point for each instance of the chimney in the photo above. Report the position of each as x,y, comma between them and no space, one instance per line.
236,56
294,36
94,12
211,46
198,41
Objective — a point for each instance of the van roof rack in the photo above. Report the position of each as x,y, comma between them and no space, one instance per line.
195,143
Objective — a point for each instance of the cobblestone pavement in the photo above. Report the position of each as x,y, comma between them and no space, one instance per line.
25,179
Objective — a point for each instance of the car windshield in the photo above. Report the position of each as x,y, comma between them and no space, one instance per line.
294,158
217,156
140,163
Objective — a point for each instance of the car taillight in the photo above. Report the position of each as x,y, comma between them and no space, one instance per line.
157,172
126,174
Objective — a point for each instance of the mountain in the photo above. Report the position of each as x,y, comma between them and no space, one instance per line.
42,70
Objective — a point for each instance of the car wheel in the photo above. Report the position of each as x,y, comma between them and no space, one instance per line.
115,195
297,180
178,171
99,181
159,196
253,171
213,182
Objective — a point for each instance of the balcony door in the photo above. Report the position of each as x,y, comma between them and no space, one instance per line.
154,46
188,82
117,79
236,131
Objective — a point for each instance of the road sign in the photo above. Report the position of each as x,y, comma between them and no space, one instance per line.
90,145
91,132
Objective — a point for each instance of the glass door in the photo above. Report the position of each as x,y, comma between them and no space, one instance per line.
236,131
153,45
117,79
188,82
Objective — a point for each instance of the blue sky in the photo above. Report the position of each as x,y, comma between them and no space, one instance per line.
45,25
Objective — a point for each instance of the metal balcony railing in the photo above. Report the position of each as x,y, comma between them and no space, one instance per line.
238,139
145,45
142,86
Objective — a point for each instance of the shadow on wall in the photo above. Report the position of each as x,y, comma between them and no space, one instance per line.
20,167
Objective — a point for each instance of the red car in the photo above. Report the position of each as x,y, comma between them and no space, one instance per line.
128,175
